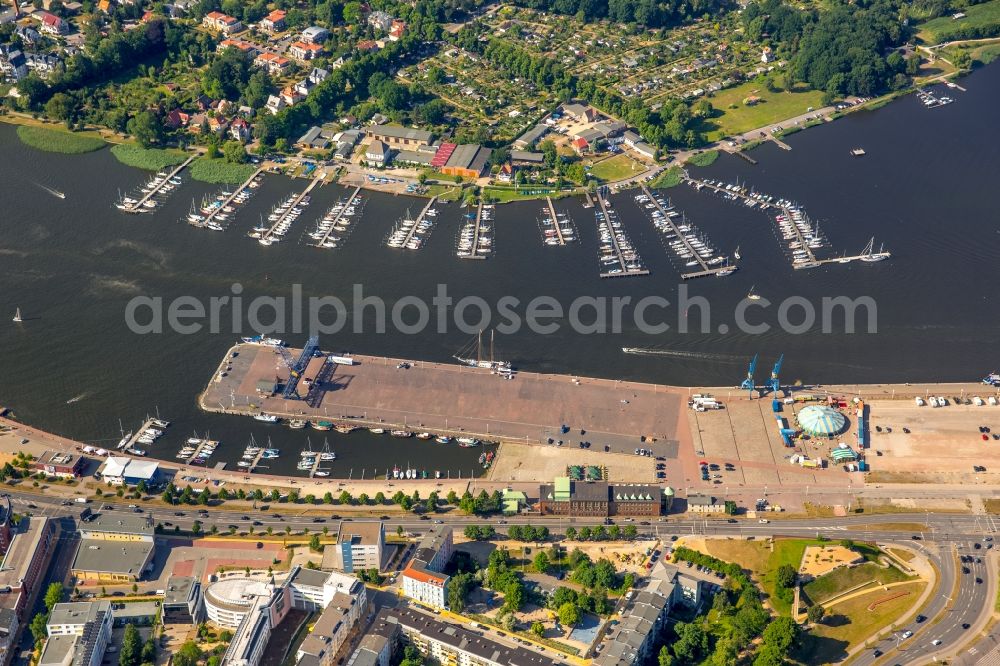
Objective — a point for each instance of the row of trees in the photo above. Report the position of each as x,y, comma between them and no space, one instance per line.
602,533
645,13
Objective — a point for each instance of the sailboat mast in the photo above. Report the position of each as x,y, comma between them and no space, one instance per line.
479,348
491,347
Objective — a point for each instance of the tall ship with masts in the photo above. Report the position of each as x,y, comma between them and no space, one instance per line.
474,355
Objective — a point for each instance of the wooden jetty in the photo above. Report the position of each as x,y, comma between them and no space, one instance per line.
201,446
268,235
134,439
625,271
590,200
140,205
475,235
705,268
336,220
416,223
228,201
555,221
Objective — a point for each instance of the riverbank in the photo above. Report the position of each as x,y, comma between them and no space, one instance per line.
58,141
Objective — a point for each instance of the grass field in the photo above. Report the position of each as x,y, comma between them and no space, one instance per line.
671,177
618,167
704,159
845,578
59,141
151,159
219,171
980,21
773,106
527,193
850,623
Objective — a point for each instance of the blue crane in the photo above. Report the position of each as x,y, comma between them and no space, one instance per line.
748,383
297,366
773,383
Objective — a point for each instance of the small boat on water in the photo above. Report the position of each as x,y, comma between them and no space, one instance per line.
17,316
296,424
322,425
401,433
321,473
425,435
443,440
466,442
752,295
377,431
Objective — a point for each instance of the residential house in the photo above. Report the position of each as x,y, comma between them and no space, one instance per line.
246,47
380,20
304,51
377,154
318,75
580,112
531,137
13,65
396,30
51,24
240,130
522,158
274,64
766,54
315,139
315,35
223,23
506,173
705,504
359,544
275,103
304,87
291,95
366,45
423,578
398,136
176,118
105,6
28,35
42,64
274,22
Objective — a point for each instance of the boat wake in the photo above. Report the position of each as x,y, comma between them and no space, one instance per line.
77,398
55,193
653,351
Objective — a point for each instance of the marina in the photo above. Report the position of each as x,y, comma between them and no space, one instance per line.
475,238
410,233
684,240
333,227
557,228
152,193
617,255
197,450
931,101
282,217
150,430
213,214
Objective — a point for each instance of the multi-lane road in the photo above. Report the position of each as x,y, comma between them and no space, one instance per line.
954,620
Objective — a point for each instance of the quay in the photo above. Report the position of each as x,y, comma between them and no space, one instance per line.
454,399
624,271
228,201
267,237
336,220
706,270
140,205
555,221
476,228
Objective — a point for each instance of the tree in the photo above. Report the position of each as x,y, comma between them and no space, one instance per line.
234,152
691,643
38,630
187,655
541,562
53,595
570,533
314,544
380,498
815,613
785,576
149,652
458,588
569,614
61,107
630,532
131,649
345,497
146,128
664,658
513,595
538,629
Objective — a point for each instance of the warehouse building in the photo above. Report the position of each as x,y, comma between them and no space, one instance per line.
122,471
114,548
467,160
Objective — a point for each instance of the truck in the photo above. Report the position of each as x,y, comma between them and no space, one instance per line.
81,500
342,360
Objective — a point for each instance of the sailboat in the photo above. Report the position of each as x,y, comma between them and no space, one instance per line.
464,356
868,254
17,316
736,254
327,454
753,296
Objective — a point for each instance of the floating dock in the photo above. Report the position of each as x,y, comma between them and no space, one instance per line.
472,250
705,269
607,218
322,241
268,237
413,238
140,205
134,439
227,202
559,236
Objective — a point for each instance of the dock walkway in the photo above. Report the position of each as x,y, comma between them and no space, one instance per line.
416,223
625,270
133,440
269,234
228,201
336,220
706,270
474,254
555,221
140,205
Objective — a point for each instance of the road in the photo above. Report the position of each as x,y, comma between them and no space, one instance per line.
942,537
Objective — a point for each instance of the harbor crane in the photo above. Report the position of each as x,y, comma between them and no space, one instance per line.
748,383
297,366
773,383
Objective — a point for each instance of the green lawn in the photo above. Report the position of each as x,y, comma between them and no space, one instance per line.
618,167
151,159
845,578
772,107
850,623
59,141
704,159
980,21
671,177
525,193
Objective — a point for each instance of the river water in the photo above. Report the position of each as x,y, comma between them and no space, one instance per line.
927,189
